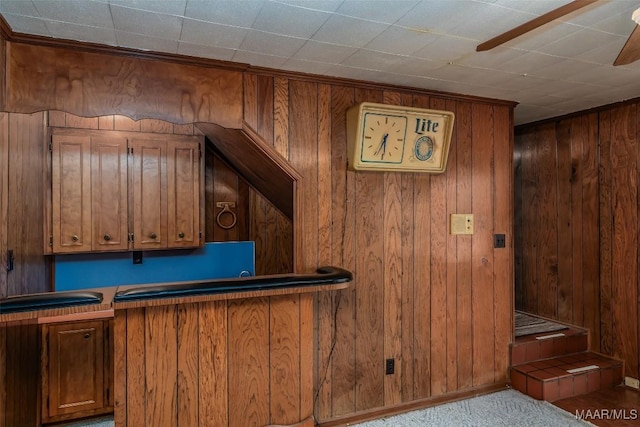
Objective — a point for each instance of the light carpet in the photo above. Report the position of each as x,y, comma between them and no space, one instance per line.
506,408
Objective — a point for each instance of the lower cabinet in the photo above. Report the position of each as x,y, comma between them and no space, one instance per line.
77,369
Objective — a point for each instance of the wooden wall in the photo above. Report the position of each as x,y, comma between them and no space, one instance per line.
438,304
224,363
22,152
577,224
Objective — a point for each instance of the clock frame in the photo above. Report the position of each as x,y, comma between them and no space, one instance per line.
395,138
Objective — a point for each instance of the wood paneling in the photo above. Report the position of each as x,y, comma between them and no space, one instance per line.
96,84
236,363
577,214
452,288
422,297
25,216
4,201
22,341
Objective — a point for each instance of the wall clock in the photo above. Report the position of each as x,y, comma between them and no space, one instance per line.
394,138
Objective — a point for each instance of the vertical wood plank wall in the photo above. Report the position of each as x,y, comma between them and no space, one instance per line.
238,363
576,223
440,305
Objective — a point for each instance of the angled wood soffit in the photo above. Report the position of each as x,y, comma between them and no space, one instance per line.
258,163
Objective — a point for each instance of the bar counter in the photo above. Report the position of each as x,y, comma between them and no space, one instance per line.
235,352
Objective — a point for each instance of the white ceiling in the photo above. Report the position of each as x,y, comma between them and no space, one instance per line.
561,67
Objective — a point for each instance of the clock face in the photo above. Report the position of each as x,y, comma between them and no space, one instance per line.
383,137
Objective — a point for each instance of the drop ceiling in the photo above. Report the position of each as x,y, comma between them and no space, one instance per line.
559,68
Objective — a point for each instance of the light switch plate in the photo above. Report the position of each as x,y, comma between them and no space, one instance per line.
461,224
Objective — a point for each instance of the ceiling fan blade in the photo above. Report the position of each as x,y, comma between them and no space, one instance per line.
631,50
533,24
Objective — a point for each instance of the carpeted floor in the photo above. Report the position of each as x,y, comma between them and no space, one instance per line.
501,409
506,408
527,325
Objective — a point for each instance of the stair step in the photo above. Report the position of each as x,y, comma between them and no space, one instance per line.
549,344
566,376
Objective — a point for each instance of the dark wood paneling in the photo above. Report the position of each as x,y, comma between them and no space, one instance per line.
25,216
98,84
4,200
307,128
585,171
22,390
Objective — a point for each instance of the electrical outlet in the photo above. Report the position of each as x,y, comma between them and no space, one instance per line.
632,382
390,367
499,241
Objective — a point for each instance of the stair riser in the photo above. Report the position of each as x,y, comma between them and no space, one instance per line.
553,389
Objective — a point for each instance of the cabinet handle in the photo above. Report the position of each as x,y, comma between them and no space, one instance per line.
87,336
154,236
181,235
75,238
107,237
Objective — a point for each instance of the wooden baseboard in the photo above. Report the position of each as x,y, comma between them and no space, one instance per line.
373,414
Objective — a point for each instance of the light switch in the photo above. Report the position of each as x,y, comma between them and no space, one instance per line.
461,224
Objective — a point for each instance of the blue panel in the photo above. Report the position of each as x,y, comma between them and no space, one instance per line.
216,260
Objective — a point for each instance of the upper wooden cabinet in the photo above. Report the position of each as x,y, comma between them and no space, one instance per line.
114,191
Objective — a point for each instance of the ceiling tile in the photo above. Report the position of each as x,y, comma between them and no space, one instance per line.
401,40
447,48
323,52
65,30
84,12
224,12
18,7
27,24
146,23
347,31
172,7
322,5
372,60
440,16
578,43
211,34
271,44
299,22
385,11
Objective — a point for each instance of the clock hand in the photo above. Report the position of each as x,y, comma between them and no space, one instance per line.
382,147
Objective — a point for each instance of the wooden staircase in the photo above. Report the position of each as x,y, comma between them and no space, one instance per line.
556,365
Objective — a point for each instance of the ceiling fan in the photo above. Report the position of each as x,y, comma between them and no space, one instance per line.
630,51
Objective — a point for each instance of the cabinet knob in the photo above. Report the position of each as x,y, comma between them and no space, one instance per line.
87,336
106,237
181,234
153,236
75,238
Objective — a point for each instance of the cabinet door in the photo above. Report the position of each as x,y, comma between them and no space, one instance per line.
149,192
109,193
73,376
71,193
183,175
